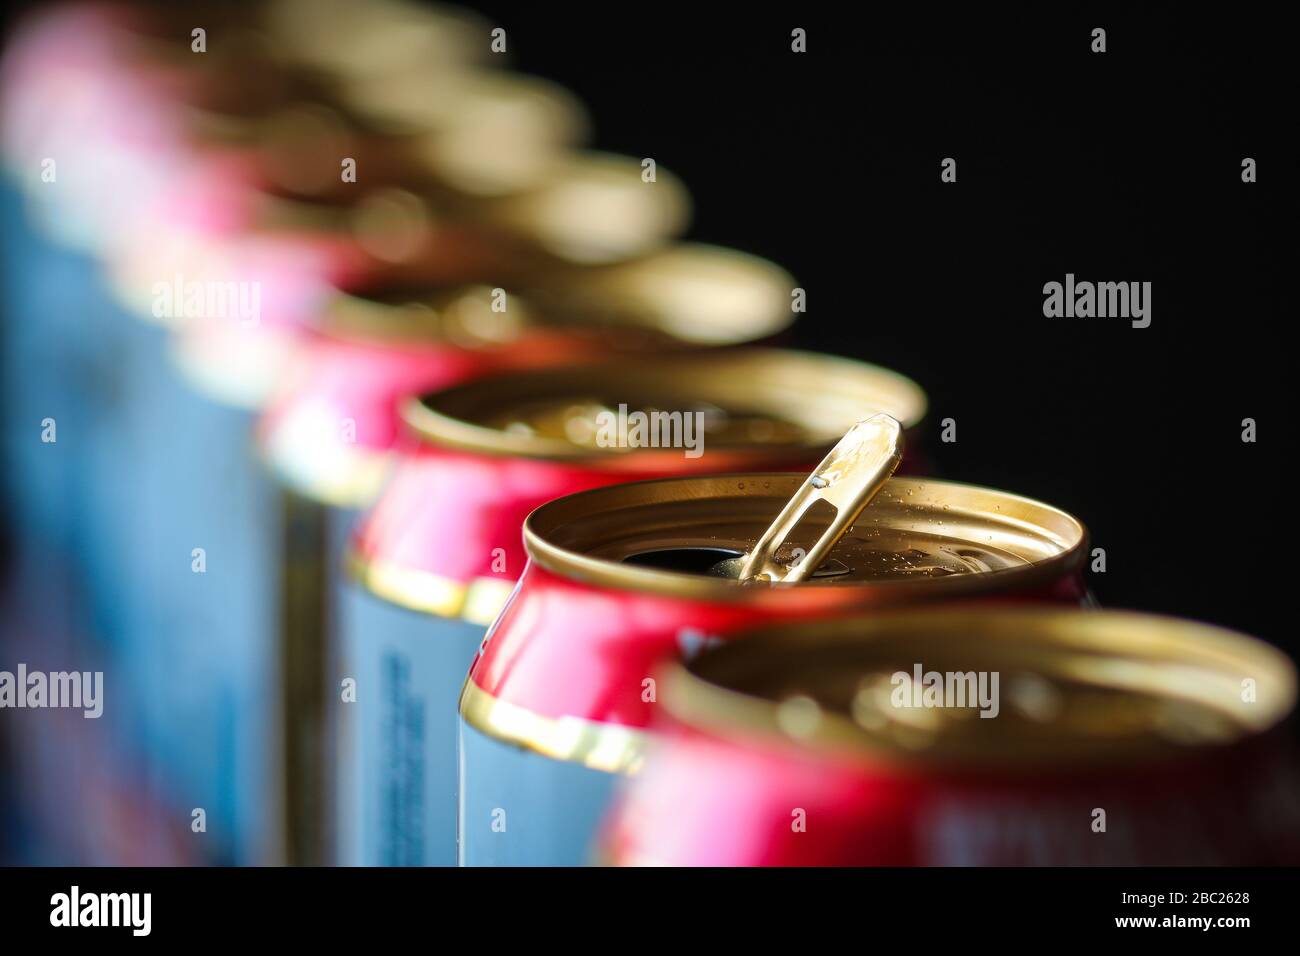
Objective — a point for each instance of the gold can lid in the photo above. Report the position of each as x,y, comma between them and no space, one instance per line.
989,688
688,292
393,225
346,39
479,132
593,208
465,316
918,539
682,295
767,404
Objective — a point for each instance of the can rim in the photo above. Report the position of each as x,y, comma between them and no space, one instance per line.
589,187
1071,535
610,748
691,292
609,300
433,418
477,601
705,705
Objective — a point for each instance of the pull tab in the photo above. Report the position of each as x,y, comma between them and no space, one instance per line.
848,478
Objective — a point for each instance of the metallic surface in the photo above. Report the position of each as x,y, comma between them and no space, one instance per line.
444,536
568,669
1166,725
472,476
758,404
585,628
846,480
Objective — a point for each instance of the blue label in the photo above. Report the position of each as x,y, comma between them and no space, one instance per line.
519,808
397,740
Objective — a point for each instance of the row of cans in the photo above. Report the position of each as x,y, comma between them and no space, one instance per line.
387,592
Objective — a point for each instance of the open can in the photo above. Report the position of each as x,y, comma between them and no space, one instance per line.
970,737
619,579
437,557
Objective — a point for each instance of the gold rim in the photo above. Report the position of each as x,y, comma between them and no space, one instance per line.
404,315
612,748
691,293
594,208
776,381
1182,661
478,601
1061,529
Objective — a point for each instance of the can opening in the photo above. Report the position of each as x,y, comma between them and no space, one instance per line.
715,562
914,535
684,560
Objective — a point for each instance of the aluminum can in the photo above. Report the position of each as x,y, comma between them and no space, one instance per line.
394,805
558,700
436,558
970,737
329,436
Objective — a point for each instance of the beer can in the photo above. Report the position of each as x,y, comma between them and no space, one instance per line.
334,427
187,523
329,436
89,138
997,737
437,556
558,700
73,119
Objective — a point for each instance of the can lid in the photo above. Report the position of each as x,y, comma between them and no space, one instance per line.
589,212
918,539
742,404
592,207
379,37
690,292
1060,687
461,316
480,132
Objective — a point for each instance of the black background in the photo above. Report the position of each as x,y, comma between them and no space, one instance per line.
1122,166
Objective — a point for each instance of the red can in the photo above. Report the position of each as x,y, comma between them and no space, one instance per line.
436,558
567,670
334,427
1114,738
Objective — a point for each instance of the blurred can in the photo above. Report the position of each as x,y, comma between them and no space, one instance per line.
93,139
436,558
620,578
1112,738
178,482
329,436
81,137
185,522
